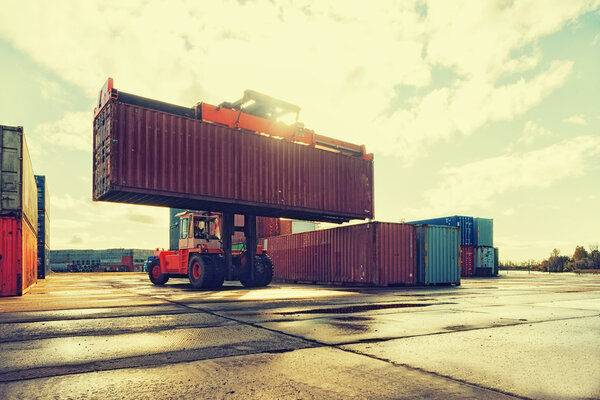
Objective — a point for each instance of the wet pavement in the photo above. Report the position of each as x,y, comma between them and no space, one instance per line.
115,335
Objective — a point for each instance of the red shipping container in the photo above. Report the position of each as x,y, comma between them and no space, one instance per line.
373,254
126,263
265,227
151,157
466,261
18,256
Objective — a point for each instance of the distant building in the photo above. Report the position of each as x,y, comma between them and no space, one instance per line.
99,260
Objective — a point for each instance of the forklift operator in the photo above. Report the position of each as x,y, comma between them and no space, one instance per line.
198,232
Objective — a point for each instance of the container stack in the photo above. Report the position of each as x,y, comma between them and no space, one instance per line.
18,214
43,224
483,233
476,243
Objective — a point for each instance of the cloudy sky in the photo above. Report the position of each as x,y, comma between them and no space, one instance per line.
485,108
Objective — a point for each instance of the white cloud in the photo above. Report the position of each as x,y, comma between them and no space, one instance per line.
465,108
531,131
339,61
596,39
576,119
73,131
485,179
104,225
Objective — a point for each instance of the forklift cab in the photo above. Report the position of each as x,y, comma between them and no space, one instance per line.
199,230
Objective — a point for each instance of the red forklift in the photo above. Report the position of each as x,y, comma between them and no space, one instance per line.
205,254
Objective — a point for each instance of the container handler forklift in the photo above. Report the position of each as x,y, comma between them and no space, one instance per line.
205,254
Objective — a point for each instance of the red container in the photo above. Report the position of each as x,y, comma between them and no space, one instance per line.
373,254
18,261
265,227
466,261
151,157
127,262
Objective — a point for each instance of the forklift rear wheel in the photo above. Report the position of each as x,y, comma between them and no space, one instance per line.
263,272
155,274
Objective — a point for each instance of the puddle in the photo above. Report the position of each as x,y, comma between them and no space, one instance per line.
352,318
355,309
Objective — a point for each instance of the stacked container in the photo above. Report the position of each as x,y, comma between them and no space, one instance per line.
483,232
438,254
18,214
484,261
371,254
464,223
466,261
43,224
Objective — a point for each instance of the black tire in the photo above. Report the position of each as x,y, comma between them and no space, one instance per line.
201,271
263,272
219,272
155,274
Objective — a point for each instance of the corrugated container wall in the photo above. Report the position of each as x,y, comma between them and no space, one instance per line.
18,191
484,261
145,156
483,232
375,254
465,224
43,224
466,261
18,256
439,254
18,214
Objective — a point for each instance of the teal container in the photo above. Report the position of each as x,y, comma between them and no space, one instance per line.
483,232
174,228
438,254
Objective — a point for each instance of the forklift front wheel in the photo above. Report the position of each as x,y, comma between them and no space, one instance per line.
155,274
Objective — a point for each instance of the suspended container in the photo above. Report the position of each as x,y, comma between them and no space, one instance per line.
466,261
18,214
438,254
152,153
464,223
484,261
483,232
372,254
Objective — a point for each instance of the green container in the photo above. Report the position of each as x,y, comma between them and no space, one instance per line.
438,254
483,232
174,228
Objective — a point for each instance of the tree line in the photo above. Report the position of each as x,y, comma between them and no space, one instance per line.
581,259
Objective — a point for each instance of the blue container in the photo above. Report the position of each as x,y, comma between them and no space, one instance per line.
42,190
43,224
464,223
438,254
483,232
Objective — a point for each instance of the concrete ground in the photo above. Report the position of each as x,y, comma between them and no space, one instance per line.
115,335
